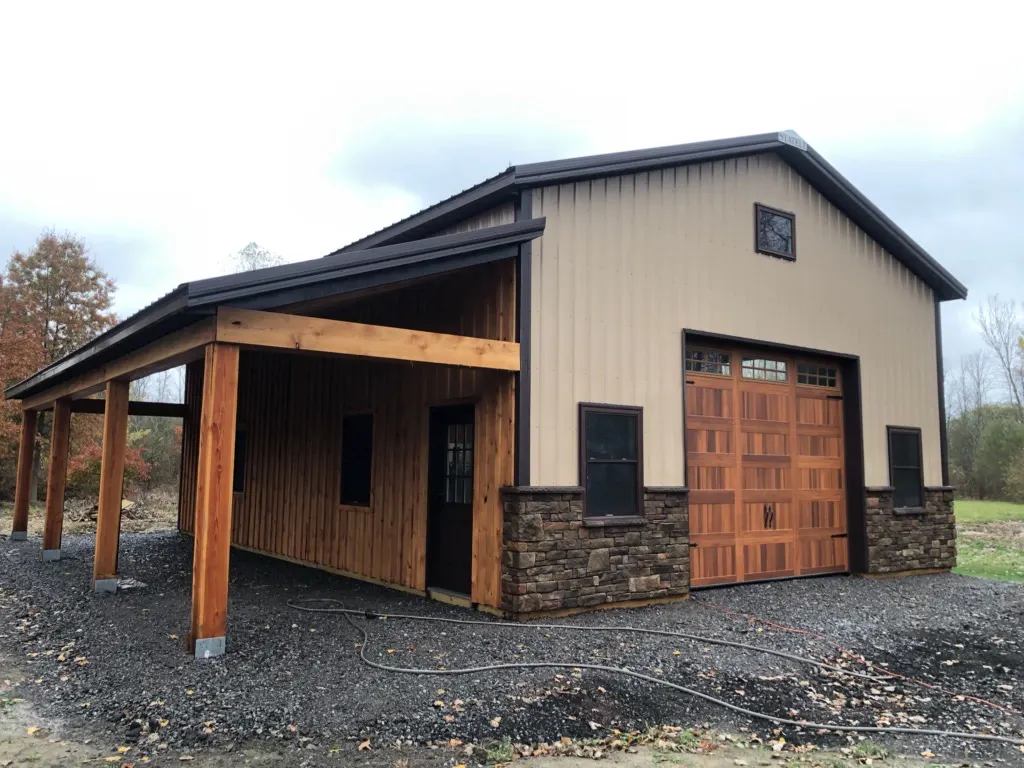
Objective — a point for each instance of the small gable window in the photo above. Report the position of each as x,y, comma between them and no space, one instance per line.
775,232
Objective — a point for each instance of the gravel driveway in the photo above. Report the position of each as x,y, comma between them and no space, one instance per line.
117,664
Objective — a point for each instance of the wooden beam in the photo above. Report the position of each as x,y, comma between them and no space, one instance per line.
26,447
59,438
135,408
167,352
213,500
313,334
108,516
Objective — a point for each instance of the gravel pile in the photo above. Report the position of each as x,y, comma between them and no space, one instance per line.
118,664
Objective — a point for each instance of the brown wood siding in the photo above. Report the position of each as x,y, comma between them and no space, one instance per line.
190,445
291,407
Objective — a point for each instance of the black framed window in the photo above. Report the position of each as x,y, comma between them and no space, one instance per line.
906,474
458,465
238,475
774,232
708,361
763,368
611,459
816,375
356,458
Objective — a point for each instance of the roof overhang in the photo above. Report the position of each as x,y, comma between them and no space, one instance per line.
274,287
790,147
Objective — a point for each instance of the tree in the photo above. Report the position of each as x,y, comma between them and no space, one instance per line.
58,299
1001,330
968,389
253,256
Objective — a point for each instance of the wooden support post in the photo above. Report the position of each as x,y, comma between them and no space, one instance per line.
54,524
213,501
19,530
108,517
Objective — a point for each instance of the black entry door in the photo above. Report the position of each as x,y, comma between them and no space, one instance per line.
450,508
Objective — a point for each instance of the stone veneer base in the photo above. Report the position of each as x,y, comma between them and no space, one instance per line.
910,541
556,561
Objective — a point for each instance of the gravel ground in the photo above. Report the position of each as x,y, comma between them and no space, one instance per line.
116,665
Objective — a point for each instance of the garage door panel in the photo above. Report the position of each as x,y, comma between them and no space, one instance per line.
823,555
713,564
761,443
710,519
764,447
765,519
768,560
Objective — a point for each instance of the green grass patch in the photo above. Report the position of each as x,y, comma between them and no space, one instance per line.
975,511
990,559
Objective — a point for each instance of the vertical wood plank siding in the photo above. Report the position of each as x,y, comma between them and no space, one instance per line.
625,263
291,407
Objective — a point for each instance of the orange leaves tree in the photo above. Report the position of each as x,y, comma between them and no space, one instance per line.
54,298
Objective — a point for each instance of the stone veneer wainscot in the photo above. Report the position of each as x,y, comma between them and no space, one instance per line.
555,559
910,539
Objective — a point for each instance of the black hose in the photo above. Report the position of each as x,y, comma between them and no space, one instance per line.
349,612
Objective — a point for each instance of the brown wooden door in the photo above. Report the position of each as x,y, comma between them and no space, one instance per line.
765,465
450,491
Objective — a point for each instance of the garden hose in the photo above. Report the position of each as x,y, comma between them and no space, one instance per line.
339,607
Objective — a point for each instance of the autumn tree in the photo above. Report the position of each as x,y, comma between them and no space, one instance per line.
57,299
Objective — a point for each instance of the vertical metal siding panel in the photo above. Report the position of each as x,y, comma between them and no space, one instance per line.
684,250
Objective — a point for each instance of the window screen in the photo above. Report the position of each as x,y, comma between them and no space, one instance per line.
905,467
610,460
356,458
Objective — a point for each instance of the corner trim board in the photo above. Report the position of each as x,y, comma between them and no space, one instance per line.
941,373
524,329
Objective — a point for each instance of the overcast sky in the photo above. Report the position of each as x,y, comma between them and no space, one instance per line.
170,136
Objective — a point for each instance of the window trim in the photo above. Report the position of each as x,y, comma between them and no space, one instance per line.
622,410
818,365
758,207
341,460
889,431
697,348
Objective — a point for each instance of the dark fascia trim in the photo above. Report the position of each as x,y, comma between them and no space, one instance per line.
760,344
890,429
524,303
223,289
163,308
941,375
803,158
277,286
615,408
758,207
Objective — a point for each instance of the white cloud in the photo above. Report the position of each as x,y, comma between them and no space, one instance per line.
184,132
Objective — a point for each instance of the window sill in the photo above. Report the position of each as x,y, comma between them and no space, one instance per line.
612,521
909,511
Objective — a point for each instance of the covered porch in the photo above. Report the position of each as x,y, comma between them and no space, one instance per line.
355,413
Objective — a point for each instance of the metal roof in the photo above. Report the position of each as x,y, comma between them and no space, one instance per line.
790,147
275,287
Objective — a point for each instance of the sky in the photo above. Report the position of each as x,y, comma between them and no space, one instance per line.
171,135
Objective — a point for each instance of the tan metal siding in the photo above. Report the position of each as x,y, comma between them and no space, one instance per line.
626,263
492,217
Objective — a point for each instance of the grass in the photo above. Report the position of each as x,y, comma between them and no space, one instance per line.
975,511
990,539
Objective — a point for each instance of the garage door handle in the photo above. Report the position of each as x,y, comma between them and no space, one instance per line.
693,544
840,535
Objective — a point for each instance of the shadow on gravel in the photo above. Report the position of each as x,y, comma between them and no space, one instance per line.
115,667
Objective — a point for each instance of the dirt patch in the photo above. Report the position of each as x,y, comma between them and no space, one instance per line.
1004,530
154,510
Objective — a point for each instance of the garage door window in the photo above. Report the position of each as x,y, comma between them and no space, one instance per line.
611,460
763,369
905,472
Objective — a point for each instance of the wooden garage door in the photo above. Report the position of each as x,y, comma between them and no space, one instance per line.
764,442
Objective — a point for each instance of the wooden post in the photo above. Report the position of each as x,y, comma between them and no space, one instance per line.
108,517
19,530
54,524
213,501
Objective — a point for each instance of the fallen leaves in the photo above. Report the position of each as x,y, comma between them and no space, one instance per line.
364,746
32,730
